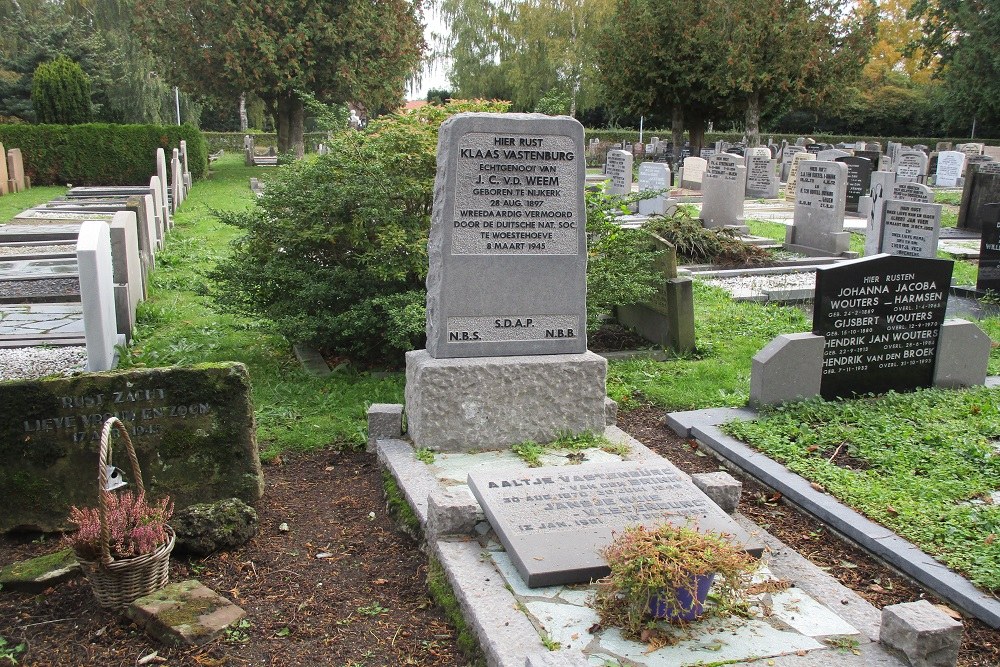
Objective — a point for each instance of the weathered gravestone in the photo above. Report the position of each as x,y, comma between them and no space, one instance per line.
793,173
16,181
4,185
859,180
161,176
989,250
694,172
981,188
911,166
971,149
880,318
507,277
654,177
761,179
832,154
883,189
619,172
176,181
192,427
911,228
818,220
723,190
554,521
949,168
786,161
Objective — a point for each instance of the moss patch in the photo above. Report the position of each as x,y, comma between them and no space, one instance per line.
399,508
36,574
443,596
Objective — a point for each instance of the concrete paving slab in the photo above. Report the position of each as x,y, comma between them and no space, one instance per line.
806,616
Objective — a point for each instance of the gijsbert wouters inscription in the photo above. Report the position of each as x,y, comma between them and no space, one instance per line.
880,317
553,521
507,248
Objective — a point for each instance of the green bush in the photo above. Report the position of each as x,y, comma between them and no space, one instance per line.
335,252
100,154
697,245
60,92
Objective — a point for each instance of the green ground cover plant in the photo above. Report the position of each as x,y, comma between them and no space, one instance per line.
923,464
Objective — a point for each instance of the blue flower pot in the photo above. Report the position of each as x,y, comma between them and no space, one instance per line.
690,607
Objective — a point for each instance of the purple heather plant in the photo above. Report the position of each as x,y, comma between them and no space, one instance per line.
136,527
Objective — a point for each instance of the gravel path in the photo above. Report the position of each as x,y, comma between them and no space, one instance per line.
25,363
759,285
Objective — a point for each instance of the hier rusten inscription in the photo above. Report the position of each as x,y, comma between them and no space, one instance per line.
881,317
553,521
508,248
193,430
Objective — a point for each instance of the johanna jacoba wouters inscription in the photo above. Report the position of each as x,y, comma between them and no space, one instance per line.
508,246
881,317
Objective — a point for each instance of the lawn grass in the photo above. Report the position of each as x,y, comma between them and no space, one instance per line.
954,198
178,324
12,204
924,464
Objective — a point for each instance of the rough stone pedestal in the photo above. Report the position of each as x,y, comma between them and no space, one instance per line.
927,636
187,613
494,402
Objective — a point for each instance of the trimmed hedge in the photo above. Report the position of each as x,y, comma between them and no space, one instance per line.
232,142
711,137
99,153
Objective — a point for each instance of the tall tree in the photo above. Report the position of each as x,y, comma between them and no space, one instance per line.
358,51
60,92
774,52
655,59
966,36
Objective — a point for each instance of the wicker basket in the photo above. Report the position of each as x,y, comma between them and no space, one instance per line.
117,582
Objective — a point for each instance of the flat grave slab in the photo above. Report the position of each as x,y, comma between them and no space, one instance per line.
41,318
41,250
61,267
554,520
57,231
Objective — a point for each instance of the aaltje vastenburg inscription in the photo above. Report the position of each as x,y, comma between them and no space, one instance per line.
193,430
508,238
553,521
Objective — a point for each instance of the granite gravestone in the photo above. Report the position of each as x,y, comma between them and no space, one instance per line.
831,155
786,160
16,181
508,245
506,358
911,166
818,220
654,177
694,172
980,189
911,192
723,190
880,317
4,185
911,228
793,173
989,250
761,179
553,521
619,171
883,189
193,429
971,149
949,168
859,180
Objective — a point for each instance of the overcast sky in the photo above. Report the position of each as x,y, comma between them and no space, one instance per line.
435,75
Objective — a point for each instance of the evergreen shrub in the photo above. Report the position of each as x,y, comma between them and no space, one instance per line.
60,92
335,252
101,154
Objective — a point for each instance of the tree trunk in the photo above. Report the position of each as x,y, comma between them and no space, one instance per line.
244,122
697,131
291,124
677,132
753,119
283,118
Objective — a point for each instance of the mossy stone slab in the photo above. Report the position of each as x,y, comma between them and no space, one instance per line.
37,574
186,613
192,427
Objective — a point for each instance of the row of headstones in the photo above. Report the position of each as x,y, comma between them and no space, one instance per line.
118,230
12,178
250,157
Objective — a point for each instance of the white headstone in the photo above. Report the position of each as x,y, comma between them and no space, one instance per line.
619,172
762,181
831,154
654,176
126,269
910,228
821,196
949,168
176,181
161,174
184,164
917,192
160,208
723,190
793,172
97,294
911,166
694,172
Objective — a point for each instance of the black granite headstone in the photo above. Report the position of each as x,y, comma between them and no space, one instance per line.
980,189
859,179
554,521
989,250
881,317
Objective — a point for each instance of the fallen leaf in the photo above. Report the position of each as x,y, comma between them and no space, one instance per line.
381,582
990,539
812,448
818,487
891,511
875,588
951,612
